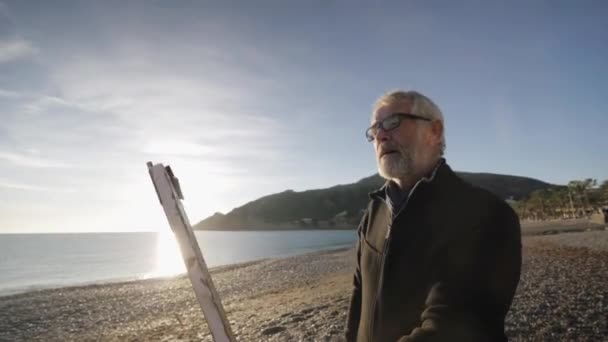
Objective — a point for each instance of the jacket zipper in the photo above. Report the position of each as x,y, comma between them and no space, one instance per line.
387,239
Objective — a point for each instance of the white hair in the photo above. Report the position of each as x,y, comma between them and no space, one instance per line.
421,105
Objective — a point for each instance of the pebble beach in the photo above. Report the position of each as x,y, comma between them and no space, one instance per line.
562,296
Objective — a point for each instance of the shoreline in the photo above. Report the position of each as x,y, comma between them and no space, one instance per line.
561,295
125,281
118,311
286,228
528,229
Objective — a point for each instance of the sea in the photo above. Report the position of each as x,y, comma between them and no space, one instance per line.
39,261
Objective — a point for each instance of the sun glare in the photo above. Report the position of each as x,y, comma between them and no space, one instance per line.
169,260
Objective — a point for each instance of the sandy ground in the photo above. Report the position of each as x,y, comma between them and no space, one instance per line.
562,296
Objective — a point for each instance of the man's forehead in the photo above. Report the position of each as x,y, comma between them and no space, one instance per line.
403,106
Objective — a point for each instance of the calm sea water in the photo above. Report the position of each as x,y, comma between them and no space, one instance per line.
35,261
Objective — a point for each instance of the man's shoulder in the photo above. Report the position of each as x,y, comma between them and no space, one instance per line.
452,185
483,201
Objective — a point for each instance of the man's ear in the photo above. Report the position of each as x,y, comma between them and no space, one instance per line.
437,131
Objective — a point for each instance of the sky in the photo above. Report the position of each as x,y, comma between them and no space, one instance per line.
245,99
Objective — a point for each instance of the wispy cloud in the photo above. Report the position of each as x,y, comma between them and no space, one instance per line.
33,102
182,148
38,101
14,49
104,114
5,183
170,111
9,93
230,150
31,161
43,102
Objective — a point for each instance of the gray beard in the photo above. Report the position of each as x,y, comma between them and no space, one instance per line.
396,166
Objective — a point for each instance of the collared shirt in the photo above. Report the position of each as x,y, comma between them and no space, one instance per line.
396,198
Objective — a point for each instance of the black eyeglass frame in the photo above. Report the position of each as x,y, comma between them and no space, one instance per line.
371,132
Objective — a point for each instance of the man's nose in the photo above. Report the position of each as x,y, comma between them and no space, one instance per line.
382,135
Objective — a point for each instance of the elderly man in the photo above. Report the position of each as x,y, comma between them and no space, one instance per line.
437,258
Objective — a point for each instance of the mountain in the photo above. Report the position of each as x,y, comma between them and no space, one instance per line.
341,206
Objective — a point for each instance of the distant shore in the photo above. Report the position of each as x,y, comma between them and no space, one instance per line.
269,226
562,296
547,227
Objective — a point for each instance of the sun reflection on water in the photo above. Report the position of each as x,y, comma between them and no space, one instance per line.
169,260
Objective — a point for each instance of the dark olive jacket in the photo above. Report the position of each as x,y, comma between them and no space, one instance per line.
445,268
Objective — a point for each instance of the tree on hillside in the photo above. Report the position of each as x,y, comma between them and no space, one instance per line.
603,193
589,184
558,199
580,198
537,204
576,189
586,195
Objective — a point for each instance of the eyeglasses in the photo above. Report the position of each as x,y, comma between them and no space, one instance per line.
389,123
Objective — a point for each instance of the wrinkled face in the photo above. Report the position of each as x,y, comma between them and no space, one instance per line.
400,150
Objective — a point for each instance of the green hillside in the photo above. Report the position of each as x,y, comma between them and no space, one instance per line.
341,206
